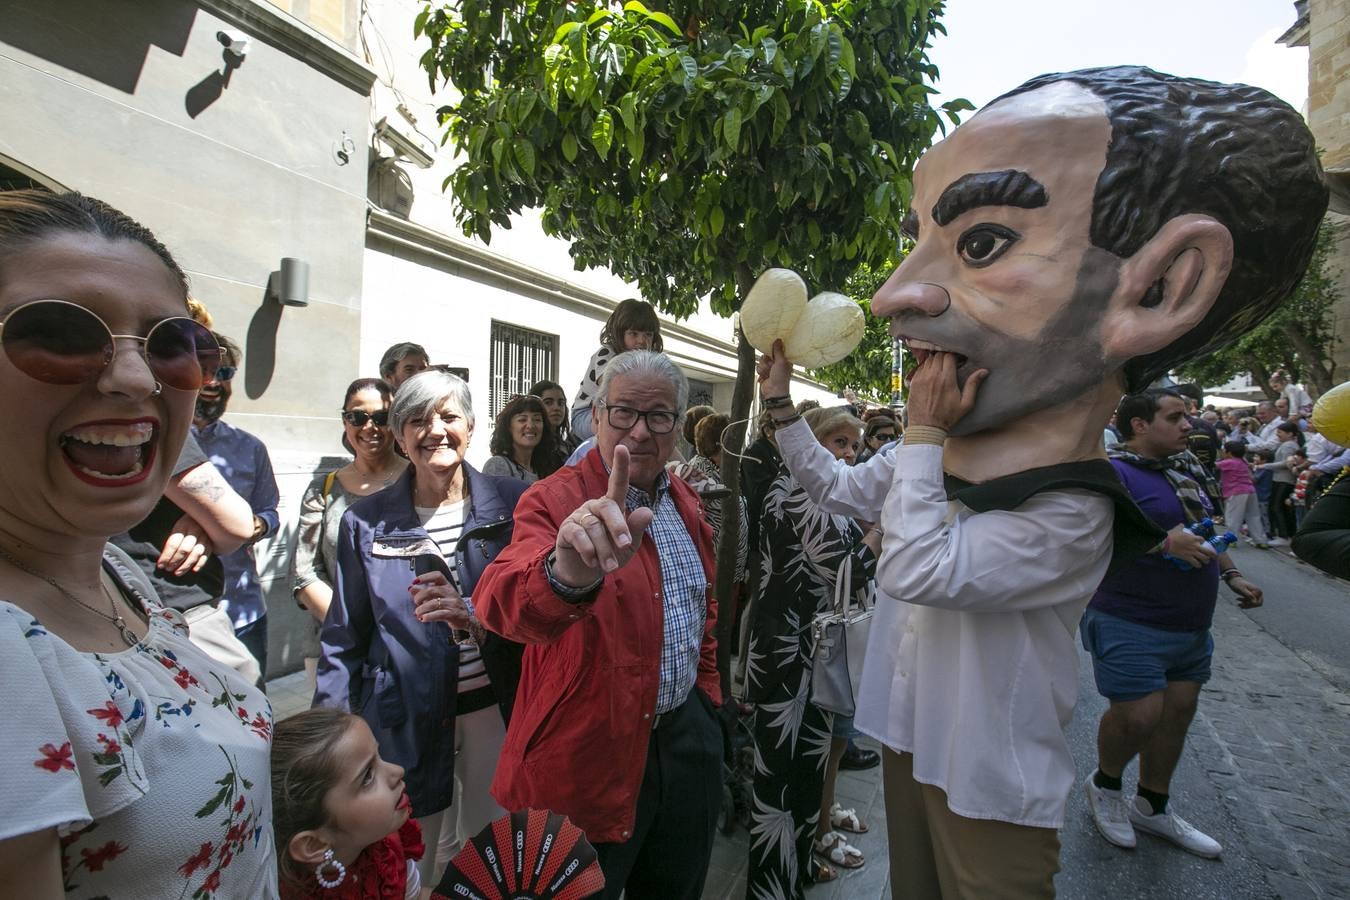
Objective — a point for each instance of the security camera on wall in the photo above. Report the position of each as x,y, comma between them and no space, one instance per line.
235,43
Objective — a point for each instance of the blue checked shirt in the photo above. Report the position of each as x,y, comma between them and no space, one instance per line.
684,589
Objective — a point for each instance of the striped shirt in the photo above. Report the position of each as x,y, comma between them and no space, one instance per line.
684,594
445,526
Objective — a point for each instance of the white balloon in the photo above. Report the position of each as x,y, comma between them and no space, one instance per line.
772,308
828,329
815,333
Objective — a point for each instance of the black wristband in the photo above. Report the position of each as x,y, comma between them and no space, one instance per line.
775,402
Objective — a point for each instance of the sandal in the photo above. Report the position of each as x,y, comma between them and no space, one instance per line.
819,873
846,820
832,848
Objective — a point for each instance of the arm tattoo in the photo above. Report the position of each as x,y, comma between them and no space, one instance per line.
200,484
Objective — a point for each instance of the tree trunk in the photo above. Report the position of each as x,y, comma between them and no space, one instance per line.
724,588
1314,367
1261,375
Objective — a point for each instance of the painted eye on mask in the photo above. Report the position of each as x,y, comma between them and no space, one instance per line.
983,244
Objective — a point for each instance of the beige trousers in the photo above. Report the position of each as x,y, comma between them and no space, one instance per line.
937,854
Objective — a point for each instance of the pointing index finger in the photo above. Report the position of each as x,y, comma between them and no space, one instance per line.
618,475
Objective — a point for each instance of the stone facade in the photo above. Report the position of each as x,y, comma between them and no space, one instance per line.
1323,26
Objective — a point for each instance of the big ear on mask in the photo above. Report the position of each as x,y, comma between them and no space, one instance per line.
1189,260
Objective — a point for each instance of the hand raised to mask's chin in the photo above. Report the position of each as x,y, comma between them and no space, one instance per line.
936,400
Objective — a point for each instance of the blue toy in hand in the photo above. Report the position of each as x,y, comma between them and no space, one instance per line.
1220,542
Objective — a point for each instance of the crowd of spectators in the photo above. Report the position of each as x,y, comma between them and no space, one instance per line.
1287,463
479,638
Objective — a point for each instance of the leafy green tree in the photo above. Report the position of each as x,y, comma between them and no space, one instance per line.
1299,337
687,146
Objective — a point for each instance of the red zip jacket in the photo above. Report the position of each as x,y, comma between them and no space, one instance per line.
577,742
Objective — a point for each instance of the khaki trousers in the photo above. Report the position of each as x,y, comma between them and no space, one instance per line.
937,854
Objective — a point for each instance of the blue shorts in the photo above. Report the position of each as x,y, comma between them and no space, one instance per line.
1131,661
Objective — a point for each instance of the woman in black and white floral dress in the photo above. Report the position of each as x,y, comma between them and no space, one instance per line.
802,549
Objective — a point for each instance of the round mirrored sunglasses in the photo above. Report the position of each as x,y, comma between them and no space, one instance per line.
59,342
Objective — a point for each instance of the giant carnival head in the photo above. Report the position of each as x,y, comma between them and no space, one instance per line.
1087,231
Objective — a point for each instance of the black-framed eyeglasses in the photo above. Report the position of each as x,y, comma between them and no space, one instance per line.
357,418
59,342
659,421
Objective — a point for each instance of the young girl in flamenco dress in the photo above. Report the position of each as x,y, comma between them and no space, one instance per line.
340,816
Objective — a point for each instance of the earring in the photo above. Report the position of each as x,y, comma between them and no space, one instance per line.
159,389
328,860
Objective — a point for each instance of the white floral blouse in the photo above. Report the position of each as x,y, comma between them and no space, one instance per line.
151,763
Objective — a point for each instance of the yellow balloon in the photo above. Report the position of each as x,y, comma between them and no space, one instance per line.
1331,415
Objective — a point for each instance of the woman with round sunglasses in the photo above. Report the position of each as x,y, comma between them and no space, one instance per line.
135,764
375,466
522,442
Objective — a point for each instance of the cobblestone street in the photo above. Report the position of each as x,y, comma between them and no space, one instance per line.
1266,769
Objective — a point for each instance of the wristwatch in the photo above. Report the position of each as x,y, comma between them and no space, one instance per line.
566,592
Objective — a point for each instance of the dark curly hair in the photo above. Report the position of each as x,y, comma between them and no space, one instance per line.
1230,151
544,460
630,315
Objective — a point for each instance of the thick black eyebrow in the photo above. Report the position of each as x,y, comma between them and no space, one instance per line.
1008,187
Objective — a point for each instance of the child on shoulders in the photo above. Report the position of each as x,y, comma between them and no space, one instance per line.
632,326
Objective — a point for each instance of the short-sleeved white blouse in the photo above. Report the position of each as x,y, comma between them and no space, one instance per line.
151,763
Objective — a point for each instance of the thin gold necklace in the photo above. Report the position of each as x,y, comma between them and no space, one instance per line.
128,636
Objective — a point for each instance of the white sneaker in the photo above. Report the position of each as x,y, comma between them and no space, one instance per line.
1109,812
1174,828
1278,542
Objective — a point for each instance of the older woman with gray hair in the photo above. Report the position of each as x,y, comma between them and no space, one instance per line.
400,645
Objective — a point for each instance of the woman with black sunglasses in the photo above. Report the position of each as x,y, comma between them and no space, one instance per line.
365,435
136,765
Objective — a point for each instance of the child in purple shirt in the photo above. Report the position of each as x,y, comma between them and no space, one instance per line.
1240,504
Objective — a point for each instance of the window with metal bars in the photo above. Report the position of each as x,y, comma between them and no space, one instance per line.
520,357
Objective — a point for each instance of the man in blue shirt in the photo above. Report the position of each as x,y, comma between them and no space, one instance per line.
1147,628
243,460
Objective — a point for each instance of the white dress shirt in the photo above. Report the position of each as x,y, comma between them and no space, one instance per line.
1319,449
971,664
1266,439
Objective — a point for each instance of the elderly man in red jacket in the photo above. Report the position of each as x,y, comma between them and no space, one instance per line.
608,584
